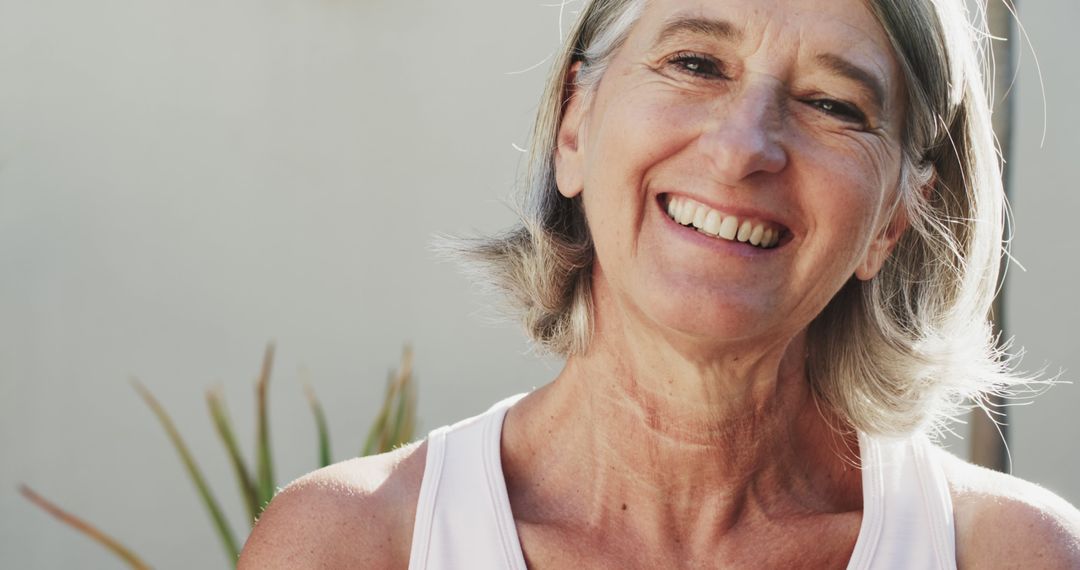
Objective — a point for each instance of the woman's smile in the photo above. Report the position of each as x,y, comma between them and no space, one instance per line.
699,243
723,224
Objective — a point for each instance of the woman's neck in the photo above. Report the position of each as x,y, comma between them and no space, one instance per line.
694,446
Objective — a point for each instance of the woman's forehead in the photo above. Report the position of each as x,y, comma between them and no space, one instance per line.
849,18
847,26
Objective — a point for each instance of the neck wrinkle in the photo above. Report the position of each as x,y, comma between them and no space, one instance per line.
701,454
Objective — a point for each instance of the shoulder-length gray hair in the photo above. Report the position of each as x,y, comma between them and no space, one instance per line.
901,352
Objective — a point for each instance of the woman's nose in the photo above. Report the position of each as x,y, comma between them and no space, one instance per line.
744,136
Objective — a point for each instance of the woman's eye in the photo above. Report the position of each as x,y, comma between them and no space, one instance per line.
698,65
839,109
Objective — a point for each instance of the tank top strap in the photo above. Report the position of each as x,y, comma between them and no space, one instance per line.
463,516
425,504
907,508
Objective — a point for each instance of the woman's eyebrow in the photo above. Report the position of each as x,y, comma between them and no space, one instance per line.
869,80
724,30
718,29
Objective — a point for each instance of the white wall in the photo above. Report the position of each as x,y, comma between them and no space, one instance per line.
182,181
1042,306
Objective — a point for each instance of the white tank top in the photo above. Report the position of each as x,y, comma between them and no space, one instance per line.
463,517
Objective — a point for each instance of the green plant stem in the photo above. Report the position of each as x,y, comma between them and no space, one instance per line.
388,418
400,416
320,425
410,412
215,400
378,428
264,460
227,538
395,423
85,528
402,430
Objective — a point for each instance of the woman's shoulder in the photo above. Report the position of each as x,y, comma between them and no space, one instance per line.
353,514
1003,521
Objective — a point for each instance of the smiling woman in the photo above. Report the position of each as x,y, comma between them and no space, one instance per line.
765,235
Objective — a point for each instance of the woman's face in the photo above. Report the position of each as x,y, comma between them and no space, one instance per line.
774,121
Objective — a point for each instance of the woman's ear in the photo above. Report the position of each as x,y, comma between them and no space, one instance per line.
887,238
569,163
882,245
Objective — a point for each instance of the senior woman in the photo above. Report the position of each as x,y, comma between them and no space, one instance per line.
765,234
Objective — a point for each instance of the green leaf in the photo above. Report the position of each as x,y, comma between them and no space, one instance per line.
264,461
320,424
215,400
85,528
400,417
227,538
404,420
395,422
375,435
410,412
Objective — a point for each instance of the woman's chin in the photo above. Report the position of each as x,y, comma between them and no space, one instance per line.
718,325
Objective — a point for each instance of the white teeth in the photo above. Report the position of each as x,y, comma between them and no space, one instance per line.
756,235
744,231
690,213
686,213
729,227
699,217
712,222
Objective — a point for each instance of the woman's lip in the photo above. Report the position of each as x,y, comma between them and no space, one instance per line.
741,214
730,247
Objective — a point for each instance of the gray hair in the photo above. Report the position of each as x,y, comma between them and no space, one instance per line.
901,352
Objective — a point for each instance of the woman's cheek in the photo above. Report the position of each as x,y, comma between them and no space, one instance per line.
635,134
